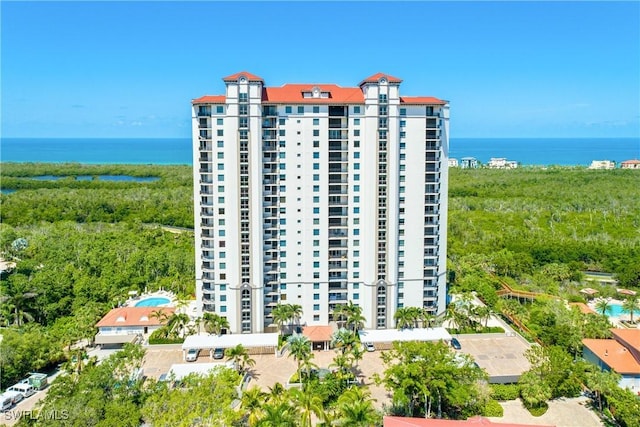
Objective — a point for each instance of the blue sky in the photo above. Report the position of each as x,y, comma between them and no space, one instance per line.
509,69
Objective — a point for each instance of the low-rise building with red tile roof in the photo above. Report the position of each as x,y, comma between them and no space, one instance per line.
630,164
124,324
477,421
620,354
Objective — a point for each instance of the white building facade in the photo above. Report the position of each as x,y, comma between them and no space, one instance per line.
317,195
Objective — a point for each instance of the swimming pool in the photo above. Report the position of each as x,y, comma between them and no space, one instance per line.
153,302
615,310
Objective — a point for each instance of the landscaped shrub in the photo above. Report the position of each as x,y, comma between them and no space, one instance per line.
492,409
158,337
505,391
538,411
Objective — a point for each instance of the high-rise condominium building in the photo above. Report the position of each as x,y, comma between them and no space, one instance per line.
317,195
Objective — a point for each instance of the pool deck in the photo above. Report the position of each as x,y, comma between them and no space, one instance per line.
131,302
615,319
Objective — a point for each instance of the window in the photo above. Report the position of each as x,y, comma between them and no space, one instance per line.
221,188
316,221
223,265
281,122
316,109
316,188
221,155
219,109
356,122
356,166
356,188
403,134
283,286
223,308
316,307
219,122
220,132
221,233
356,132
316,210
220,199
356,109
316,199
356,296
316,264
287,109
283,275
316,132
316,286
316,166
223,298
316,144
220,144
356,210
223,287
281,132
316,177
316,297
300,109
316,317
356,199
244,97
221,222
403,111
356,155
403,123
316,243
223,254
316,155
356,144
316,254
220,166
316,122
316,232
356,177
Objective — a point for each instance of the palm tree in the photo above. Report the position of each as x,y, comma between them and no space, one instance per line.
160,314
603,306
252,402
308,404
356,320
344,340
631,304
240,357
300,349
403,318
276,393
295,311
177,324
483,313
214,323
355,409
280,315
339,314
17,293
280,414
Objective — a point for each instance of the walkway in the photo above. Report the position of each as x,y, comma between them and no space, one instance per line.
561,413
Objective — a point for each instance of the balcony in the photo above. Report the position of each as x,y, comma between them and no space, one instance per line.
334,243
338,212
338,200
337,168
338,134
269,123
205,134
204,111
338,157
338,233
337,254
338,179
338,297
338,146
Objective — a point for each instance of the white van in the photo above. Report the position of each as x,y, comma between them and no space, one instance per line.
6,402
14,396
23,388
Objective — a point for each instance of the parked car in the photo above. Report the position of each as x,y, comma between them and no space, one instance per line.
369,346
192,355
6,402
455,343
25,389
218,353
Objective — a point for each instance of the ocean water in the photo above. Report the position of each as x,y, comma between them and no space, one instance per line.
526,151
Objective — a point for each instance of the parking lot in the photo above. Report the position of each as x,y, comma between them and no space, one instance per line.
268,369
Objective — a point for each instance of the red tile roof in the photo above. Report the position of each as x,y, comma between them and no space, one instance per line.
614,355
249,76
421,100
318,333
584,308
210,99
631,337
376,77
293,94
631,162
133,316
430,422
